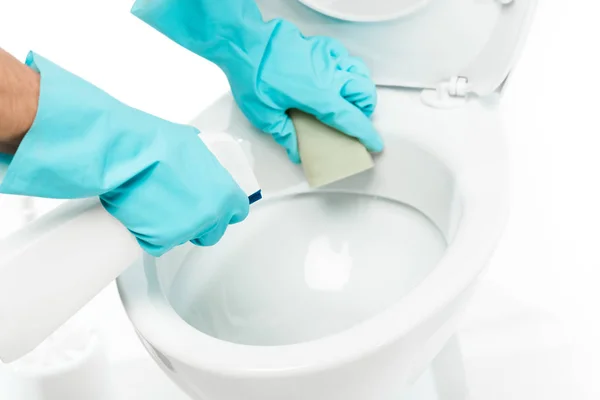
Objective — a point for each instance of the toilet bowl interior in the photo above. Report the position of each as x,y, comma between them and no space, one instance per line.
311,264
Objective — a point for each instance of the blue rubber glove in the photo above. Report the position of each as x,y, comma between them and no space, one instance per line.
156,177
272,67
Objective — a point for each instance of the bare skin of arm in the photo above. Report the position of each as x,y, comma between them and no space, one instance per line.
19,93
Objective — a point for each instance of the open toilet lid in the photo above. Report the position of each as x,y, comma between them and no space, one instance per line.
365,10
420,43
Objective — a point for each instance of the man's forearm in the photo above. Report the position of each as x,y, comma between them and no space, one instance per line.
19,93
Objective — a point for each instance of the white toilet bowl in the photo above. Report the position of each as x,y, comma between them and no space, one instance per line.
343,293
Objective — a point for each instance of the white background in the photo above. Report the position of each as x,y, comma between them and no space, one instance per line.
549,258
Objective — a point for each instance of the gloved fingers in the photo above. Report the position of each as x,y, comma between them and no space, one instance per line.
239,207
361,92
282,129
214,234
209,236
232,208
354,65
153,249
349,119
240,215
288,140
356,84
334,48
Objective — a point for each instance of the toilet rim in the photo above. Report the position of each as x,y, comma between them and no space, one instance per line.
484,213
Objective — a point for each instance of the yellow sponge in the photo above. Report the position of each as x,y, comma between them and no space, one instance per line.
327,155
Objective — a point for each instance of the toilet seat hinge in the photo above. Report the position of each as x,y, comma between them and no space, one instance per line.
448,94
457,86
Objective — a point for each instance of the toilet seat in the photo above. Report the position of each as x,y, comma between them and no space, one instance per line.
477,211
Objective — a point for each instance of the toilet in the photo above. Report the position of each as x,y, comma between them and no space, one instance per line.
353,291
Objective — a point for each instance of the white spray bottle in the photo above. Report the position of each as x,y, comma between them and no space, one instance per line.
88,249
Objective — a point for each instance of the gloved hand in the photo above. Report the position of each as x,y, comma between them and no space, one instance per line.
272,67
156,177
